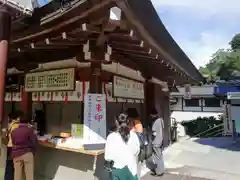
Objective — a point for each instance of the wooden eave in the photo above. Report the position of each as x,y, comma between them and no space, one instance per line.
153,31
58,37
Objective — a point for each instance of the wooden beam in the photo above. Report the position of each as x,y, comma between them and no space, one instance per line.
143,34
124,45
62,27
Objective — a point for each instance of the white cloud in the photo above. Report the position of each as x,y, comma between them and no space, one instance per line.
200,51
203,6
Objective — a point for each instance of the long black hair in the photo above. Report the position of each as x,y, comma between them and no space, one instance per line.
132,113
123,126
14,115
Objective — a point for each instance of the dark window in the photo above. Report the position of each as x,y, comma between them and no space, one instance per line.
192,102
212,102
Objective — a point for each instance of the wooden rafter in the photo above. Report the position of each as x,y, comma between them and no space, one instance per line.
67,38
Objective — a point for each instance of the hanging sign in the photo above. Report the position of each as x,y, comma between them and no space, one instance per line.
94,131
80,89
54,80
233,95
126,88
187,94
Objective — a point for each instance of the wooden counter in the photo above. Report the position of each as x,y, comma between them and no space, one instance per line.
88,152
60,163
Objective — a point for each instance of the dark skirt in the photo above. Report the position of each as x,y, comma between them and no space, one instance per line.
122,174
9,168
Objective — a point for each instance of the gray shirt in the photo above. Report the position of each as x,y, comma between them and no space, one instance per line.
157,130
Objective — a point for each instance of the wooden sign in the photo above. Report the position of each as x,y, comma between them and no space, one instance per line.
54,80
126,88
13,83
108,90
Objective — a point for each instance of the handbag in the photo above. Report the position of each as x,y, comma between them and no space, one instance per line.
146,150
150,163
5,138
108,165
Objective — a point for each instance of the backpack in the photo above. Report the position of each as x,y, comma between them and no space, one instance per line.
145,146
143,140
5,138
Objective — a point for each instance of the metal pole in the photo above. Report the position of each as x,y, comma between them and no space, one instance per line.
5,27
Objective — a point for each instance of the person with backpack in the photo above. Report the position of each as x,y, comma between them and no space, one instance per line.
136,126
13,123
25,143
135,123
121,151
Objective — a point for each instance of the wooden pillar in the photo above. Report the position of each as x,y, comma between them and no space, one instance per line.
149,101
166,117
5,27
95,79
26,103
97,53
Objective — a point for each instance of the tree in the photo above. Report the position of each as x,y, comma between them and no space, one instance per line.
226,70
235,42
224,65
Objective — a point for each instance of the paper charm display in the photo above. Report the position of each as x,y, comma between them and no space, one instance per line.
66,96
16,97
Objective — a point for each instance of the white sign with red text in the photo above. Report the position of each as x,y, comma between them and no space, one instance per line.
94,130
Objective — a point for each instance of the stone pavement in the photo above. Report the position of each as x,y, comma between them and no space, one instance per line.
169,176
211,158
198,159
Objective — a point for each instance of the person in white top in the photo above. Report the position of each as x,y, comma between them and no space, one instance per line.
122,149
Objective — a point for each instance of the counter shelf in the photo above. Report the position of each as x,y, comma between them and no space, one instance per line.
81,150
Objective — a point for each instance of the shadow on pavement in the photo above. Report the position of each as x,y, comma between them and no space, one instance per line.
169,176
220,142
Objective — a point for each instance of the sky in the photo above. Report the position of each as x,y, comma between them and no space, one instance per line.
200,27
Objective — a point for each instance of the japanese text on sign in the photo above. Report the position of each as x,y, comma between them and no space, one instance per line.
126,88
99,110
95,117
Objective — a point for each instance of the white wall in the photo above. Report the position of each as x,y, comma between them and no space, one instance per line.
196,91
180,106
187,116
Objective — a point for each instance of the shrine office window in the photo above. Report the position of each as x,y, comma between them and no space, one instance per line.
192,102
212,102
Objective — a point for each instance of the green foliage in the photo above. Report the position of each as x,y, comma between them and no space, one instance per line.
235,42
224,64
200,125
